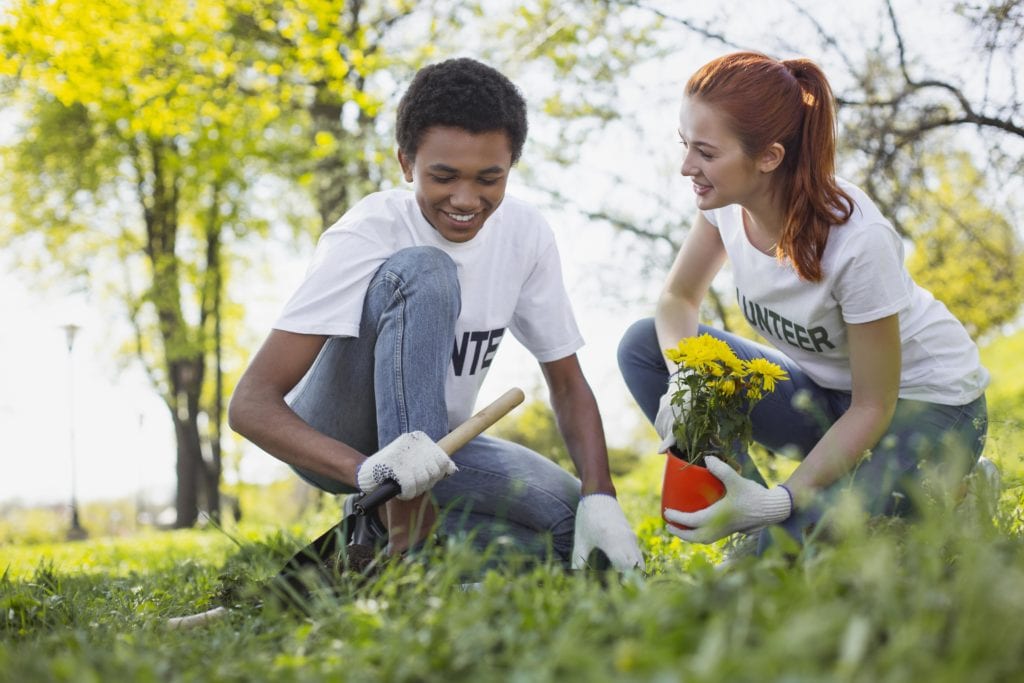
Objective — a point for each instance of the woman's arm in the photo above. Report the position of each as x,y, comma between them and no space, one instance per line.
875,369
259,413
698,261
579,422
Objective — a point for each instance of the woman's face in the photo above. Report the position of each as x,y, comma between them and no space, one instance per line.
713,158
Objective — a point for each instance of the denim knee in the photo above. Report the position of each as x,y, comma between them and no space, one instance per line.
636,342
642,367
424,262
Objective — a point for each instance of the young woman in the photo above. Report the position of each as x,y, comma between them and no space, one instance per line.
885,382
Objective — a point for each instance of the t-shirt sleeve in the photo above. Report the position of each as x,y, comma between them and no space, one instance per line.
543,320
872,283
712,216
330,299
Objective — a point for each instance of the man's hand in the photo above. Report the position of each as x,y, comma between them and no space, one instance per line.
746,506
666,419
412,460
600,523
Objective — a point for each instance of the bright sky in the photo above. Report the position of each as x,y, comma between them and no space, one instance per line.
121,438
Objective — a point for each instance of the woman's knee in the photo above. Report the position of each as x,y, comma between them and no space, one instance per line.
636,342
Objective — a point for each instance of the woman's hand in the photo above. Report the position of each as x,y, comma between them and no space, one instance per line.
746,506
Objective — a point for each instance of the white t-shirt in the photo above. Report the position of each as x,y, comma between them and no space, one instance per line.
864,280
510,275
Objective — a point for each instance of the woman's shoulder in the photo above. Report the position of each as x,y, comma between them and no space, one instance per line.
727,217
864,208
868,236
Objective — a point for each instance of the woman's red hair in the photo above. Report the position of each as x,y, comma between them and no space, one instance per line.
788,101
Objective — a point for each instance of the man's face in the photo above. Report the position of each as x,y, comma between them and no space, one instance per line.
459,178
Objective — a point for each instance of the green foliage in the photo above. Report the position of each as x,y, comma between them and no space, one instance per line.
939,600
150,137
965,252
1005,397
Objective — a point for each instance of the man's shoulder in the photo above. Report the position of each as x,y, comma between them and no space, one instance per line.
520,208
523,222
378,213
383,204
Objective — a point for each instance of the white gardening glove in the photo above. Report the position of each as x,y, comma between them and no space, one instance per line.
600,523
412,460
746,506
666,418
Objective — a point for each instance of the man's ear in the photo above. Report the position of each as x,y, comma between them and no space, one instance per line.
771,158
406,164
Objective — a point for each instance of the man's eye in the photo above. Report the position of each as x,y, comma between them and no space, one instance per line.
442,178
488,181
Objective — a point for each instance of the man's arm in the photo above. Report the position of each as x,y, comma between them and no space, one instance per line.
259,413
600,522
579,423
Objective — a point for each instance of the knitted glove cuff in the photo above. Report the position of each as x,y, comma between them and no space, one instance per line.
777,505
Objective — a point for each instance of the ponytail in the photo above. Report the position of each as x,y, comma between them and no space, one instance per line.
814,200
790,102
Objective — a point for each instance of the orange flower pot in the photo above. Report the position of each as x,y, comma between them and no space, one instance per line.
688,487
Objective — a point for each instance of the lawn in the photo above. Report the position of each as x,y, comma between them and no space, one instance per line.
937,600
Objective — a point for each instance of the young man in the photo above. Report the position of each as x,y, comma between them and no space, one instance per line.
385,344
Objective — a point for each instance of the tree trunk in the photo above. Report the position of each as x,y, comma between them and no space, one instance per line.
193,476
183,348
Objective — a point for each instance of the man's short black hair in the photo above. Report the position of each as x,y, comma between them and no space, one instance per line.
461,93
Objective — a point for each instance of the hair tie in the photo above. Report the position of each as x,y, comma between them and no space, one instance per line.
796,68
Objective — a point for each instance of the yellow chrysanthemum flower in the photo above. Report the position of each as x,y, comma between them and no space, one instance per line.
705,353
726,386
768,371
721,350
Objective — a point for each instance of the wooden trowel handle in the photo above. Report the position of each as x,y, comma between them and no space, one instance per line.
449,443
474,426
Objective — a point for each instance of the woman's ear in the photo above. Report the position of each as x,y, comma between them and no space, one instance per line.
406,164
771,158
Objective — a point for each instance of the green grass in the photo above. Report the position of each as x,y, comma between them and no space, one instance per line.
938,600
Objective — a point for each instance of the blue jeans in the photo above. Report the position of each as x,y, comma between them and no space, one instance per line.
922,436
368,390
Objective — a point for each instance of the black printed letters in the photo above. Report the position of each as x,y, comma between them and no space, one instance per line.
476,347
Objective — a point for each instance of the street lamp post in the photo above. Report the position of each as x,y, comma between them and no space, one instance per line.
76,531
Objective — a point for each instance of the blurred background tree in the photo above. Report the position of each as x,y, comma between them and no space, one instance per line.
154,136
901,118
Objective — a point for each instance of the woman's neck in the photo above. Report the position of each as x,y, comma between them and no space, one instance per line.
763,222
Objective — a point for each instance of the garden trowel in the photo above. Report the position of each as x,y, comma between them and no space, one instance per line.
355,542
